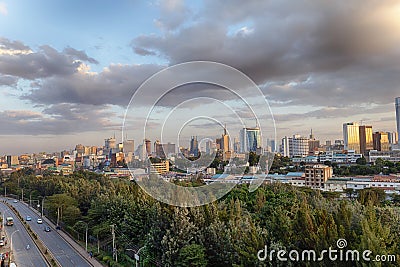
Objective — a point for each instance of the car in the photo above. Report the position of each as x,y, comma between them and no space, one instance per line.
39,221
28,218
47,229
1,242
58,227
15,201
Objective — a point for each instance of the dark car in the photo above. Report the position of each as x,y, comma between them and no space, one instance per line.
47,229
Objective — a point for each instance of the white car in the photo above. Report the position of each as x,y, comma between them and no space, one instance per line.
39,220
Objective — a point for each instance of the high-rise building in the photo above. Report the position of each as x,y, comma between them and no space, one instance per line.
209,145
366,141
284,149
129,146
169,149
80,150
298,146
194,147
351,136
12,160
393,137
147,144
397,104
313,144
110,146
159,150
250,139
381,141
163,150
225,142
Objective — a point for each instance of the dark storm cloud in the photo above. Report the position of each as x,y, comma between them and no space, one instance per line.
58,119
349,49
332,113
8,80
114,85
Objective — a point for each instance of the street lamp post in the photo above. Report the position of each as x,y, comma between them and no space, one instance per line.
137,257
86,233
41,215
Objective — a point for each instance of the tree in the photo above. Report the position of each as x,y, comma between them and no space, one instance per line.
371,196
192,255
63,205
361,161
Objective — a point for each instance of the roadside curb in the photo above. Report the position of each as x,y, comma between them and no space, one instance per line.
47,253
74,245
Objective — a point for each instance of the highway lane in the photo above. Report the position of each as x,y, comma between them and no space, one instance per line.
60,249
23,257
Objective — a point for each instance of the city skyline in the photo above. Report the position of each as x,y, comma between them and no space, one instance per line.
68,70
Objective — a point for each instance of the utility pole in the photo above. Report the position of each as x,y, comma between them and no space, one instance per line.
22,195
42,206
113,243
58,216
5,191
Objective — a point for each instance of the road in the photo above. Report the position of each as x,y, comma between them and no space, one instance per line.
60,249
23,257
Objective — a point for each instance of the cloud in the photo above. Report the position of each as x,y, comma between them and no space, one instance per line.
6,80
172,14
58,119
17,59
114,85
3,9
81,55
349,51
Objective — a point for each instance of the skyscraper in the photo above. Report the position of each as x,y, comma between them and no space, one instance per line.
351,136
313,144
250,139
194,146
397,103
285,146
366,141
225,142
209,146
393,137
147,143
381,141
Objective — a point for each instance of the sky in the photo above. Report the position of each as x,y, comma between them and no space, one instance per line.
69,69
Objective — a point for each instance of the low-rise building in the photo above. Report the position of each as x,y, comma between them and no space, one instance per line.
317,175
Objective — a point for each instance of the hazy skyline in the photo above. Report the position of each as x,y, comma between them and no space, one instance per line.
69,68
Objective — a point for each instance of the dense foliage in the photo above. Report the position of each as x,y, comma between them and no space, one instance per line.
229,232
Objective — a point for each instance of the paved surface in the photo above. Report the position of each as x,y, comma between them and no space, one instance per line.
64,253
23,257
